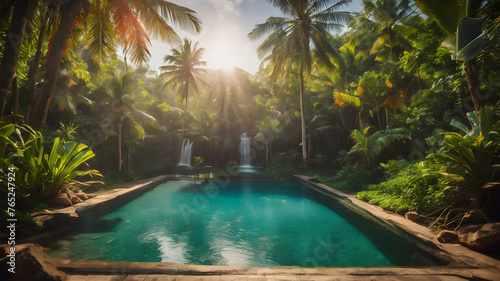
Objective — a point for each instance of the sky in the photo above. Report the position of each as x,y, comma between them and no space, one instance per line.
226,24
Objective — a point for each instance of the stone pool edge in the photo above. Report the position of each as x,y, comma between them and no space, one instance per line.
64,220
471,264
457,254
89,267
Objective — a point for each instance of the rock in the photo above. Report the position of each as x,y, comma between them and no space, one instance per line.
481,237
447,236
413,216
75,199
61,200
72,196
82,195
465,231
43,216
31,263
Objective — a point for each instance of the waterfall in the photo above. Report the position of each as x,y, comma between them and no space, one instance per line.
186,153
245,151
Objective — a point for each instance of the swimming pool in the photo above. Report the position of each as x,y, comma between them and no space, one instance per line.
244,222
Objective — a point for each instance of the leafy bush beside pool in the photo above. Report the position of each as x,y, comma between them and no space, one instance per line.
416,188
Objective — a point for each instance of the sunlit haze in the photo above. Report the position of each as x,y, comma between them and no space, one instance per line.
226,24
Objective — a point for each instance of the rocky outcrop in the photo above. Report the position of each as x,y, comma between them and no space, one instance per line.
61,200
480,237
42,216
82,196
413,216
72,196
447,236
66,198
30,263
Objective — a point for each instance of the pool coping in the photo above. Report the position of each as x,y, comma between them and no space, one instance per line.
460,253
71,216
467,263
115,194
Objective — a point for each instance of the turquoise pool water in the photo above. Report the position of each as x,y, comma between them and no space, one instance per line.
252,223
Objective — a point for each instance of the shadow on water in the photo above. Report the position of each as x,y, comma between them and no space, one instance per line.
396,245
265,187
103,225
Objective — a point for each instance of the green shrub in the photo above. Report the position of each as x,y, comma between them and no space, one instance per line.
416,188
198,160
47,172
319,161
38,173
470,160
350,179
286,164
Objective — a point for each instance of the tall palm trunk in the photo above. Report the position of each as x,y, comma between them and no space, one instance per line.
129,163
15,96
472,72
119,147
35,65
302,116
38,113
213,153
379,120
267,154
391,42
360,121
12,49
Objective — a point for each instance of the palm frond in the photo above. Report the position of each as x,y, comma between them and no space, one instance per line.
131,32
446,13
272,24
100,33
146,118
184,17
158,26
328,6
338,18
283,5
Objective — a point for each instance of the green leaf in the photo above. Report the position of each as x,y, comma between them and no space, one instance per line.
486,124
446,13
470,39
460,126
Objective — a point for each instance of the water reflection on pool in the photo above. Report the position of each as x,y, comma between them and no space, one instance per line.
253,223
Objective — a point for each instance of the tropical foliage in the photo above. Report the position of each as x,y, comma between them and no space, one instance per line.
291,38
471,158
43,173
414,188
46,172
35,175
183,66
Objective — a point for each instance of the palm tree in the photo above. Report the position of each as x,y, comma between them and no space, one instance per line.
120,88
125,22
12,48
203,128
183,66
269,129
290,39
44,25
388,17
370,145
